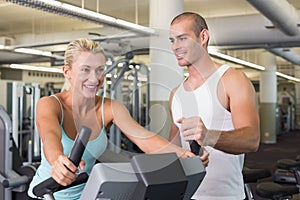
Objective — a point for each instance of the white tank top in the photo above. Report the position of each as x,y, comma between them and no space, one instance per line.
223,179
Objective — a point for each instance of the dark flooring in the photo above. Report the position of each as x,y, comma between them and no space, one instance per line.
287,146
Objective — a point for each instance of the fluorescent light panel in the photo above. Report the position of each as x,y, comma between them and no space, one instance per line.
248,64
235,60
33,52
58,7
3,47
287,77
35,68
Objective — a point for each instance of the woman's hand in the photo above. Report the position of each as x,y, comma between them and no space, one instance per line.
64,171
184,153
205,157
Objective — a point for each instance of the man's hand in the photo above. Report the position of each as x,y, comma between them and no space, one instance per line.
193,128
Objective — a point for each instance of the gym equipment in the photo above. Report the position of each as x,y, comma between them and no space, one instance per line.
286,118
115,78
22,93
126,86
14,182
252,176
276,191
46,188
287,168
288,173
147,176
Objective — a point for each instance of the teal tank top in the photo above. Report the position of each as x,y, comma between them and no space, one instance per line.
93,150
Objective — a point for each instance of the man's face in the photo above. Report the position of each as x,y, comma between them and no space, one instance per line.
185,44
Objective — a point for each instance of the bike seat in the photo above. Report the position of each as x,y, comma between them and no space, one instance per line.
288,164
275,191
252,175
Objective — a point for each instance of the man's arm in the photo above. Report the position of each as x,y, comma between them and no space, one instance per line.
240,100
242,105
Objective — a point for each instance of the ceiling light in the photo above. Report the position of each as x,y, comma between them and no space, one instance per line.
33,51
35,68
60,8
217,54
3,47
235,60
37,52
287,77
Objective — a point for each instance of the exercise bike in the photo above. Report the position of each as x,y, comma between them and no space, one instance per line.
251,175
146,176
286,181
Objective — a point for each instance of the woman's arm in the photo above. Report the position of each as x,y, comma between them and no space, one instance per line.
147,141
48,124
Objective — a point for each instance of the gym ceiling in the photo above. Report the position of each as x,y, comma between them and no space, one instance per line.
240,28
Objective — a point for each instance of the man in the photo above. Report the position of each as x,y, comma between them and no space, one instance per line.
214,106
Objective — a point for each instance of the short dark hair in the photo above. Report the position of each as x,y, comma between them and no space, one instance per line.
199,21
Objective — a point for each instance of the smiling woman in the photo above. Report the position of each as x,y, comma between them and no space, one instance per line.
58,118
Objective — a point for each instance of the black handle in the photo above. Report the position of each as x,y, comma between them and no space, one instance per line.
80,142
49,186
195,148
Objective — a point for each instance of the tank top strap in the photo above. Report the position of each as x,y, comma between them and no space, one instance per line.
61,107
103,112
223,69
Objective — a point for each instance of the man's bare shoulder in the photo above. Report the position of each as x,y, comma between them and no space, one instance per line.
233,75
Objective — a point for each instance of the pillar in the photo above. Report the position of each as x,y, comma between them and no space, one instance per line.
268,99
165,73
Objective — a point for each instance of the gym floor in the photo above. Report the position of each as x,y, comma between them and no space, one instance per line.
287,146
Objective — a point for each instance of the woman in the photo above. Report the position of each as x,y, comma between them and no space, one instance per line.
58,118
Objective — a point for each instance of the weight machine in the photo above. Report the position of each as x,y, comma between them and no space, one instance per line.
21,94
129,92
14,182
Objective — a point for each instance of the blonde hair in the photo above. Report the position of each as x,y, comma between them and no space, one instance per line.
75,47
79,45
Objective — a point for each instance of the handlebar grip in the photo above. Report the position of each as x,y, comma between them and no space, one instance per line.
78,148
195,148
15,182
50,186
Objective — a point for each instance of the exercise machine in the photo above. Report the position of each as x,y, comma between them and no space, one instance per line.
14,179
286,171
275,191
286,181
46,188
22,93
251,175
128,83
147,176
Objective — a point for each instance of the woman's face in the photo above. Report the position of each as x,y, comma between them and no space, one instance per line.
87,73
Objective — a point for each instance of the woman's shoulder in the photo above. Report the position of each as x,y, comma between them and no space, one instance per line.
46,100
49,102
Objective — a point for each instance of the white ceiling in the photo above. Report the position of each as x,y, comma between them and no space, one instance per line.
28,27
